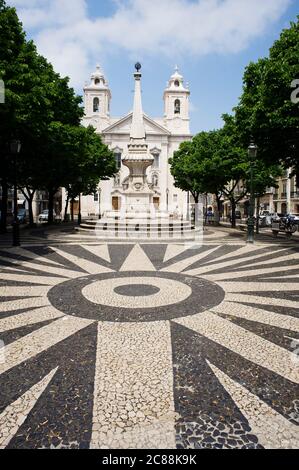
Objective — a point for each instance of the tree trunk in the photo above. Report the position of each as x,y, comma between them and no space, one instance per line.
195,212
29,198
233,215
51,205
257,228
72,210
218,210
3,223
206,208
30,209
66,208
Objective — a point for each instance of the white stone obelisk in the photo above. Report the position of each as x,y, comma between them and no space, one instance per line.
138,195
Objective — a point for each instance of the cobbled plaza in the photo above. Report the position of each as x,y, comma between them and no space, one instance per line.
149,345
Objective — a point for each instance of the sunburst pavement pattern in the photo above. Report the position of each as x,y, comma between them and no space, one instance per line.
149,346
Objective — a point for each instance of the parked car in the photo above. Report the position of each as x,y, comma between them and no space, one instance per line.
10,217
277,217
285,225
44,216
22,216
265,218
295,218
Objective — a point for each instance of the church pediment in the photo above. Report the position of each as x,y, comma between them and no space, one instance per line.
123,126
152,127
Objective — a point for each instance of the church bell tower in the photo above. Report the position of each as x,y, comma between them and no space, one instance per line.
176,105
97,97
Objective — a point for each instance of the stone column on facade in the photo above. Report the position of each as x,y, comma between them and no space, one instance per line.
165,185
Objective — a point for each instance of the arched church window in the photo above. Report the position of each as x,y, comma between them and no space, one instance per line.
117,156
177,107
97,81
156,163
96,105
177,83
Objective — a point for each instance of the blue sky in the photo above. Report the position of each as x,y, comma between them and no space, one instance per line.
211,40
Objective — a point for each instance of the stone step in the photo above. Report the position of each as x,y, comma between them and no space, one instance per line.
187,234
140,230
148,237
93,223
137,226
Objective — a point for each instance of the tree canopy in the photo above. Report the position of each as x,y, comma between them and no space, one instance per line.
266,110
43,111
216,162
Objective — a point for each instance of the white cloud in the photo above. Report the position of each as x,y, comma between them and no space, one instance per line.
73,41
43,13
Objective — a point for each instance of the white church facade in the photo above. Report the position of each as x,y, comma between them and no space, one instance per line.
135,138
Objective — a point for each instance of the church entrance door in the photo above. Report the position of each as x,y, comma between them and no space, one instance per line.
115,203
156,201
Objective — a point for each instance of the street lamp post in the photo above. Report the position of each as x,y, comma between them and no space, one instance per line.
167,199
15,149
188,205
252,153
100,215
79,212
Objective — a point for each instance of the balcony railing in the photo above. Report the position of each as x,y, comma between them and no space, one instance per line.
294,195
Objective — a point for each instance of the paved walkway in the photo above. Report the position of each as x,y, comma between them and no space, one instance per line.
66,233
123,345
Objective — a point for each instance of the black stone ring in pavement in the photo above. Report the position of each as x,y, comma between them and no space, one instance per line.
135,296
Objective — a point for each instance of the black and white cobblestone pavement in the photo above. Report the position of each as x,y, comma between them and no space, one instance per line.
149,345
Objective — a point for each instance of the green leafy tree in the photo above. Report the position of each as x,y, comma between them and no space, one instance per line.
215,162
266,110
12,39
75,158
91,162
55,109
37,101
185,168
